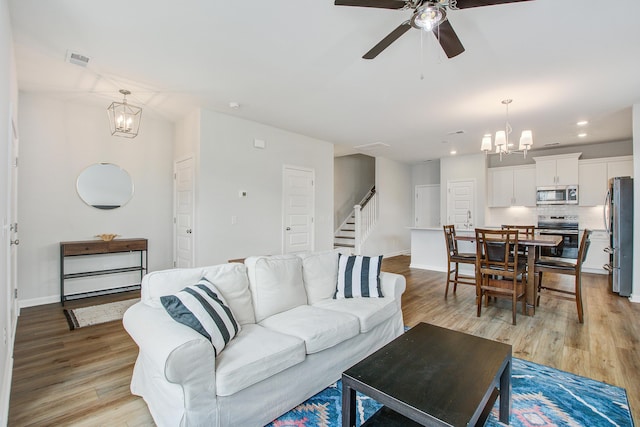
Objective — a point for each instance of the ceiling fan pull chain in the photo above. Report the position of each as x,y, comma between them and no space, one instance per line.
421,55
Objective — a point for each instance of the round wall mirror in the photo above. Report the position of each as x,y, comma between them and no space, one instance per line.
105,186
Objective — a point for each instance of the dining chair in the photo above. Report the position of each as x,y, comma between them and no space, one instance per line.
544,264
523,229
454,259
502,274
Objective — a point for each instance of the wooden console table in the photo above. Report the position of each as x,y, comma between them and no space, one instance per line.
99,247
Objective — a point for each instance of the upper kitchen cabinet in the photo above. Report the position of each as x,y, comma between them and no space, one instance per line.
595,174
512,186
593,182
557,170
619,166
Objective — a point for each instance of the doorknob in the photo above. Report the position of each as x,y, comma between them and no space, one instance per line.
288,228
14,242
188,231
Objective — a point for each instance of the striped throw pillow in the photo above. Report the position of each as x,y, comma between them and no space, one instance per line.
358,277
204,309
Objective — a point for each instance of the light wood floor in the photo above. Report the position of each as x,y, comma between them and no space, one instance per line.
81,377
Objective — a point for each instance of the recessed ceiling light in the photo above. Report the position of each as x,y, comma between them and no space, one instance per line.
583,123
582,135
453,152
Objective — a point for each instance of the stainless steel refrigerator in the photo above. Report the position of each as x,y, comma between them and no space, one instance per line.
618,217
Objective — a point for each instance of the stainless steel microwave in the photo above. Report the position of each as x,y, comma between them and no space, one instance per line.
557,195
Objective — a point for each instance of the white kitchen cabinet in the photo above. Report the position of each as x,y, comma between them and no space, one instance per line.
592,186
594,175
596,256
512,186
557,170
621,166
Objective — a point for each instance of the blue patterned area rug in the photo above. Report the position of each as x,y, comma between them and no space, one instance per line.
541,396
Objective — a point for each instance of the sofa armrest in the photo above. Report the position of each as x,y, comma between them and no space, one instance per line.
392,285
173,351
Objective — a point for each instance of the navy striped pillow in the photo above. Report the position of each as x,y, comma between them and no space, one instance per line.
358,277
203,308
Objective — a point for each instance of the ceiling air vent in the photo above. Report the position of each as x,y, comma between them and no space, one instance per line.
372,146
77,58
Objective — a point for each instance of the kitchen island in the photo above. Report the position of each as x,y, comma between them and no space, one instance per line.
429,249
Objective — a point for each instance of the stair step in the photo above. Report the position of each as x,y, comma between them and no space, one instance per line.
344,237
347,229
343,245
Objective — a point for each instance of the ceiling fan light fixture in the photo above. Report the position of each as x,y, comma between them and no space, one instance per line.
428,16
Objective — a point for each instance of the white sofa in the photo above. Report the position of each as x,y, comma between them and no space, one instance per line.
295,339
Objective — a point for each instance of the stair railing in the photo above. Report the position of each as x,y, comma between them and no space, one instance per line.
366,215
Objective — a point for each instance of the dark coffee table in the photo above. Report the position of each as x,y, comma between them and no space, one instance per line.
432,376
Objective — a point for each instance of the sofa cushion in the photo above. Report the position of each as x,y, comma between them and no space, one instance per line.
358,276
257,353
369,311
320,273
320,329
167,282
203,308
232,281
276,284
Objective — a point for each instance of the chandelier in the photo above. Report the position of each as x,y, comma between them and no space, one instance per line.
502,144
124,118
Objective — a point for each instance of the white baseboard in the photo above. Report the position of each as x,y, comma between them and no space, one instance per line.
39,301
392,254
594,270
635,298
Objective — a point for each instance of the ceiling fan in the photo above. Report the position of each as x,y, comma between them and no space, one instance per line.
428,15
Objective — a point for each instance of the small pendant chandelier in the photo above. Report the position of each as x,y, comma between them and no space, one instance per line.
502,144
124,118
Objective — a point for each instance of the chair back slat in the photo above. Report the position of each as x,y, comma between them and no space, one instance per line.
450,238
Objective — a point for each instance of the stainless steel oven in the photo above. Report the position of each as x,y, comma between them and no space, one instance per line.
565,226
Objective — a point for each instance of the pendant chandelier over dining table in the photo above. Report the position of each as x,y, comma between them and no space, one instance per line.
502,144
124,118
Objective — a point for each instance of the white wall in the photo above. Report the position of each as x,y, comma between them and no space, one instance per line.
458,168
228,163
391,235
8,106
57,141
354,176
635,291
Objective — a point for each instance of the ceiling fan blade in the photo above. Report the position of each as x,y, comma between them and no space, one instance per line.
465,4
448,39
381,4
385,42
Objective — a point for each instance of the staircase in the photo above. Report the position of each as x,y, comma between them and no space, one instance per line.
356,228
345,237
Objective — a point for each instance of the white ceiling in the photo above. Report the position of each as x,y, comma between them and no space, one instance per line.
296,65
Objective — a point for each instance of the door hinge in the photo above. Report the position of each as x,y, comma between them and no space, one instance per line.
15,293
175,176
174,220
174,263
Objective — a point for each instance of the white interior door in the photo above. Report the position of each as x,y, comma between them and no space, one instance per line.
461,204
427,207
298,207
184,256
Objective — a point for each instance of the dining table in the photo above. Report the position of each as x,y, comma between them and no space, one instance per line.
533,243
